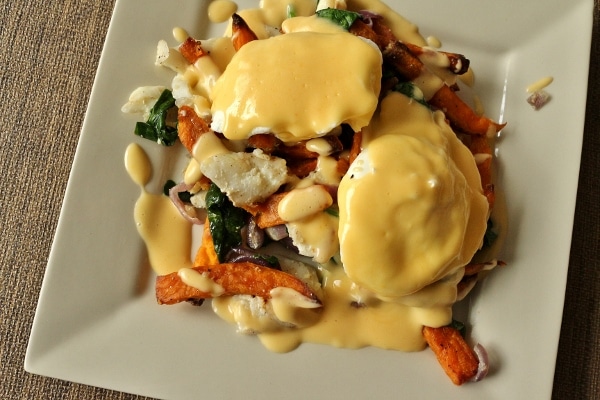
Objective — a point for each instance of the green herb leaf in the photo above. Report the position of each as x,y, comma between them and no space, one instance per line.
459,326
410,90
183,196
156,127
168,186
490,234
271,260
333,211
291,11
343,18
225,221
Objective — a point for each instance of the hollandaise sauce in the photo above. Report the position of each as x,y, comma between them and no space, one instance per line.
391,243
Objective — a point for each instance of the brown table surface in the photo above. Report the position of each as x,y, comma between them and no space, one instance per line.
49,52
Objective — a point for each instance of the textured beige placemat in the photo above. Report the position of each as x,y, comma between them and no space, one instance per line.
49,52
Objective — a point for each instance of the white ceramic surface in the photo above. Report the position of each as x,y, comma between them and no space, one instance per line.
97,322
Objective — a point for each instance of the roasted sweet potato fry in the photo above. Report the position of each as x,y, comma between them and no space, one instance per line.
264,141
401,56
302,167
192,50
206,254
481,149
461,116
457,63
404,62
454,354
296,151
356,146
395,52
240,32
235,278
383,32
265,213
359,28
464,287
190,126
300,160
301,151
342,166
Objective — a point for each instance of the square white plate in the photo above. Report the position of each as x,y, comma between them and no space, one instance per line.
97,322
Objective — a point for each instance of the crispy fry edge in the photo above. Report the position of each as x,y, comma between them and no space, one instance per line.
452,352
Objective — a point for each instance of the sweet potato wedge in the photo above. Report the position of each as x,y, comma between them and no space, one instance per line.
240,32
191,50
190,126
266,213
356,147
454,354
359,28
206,254
457,63
235,278
302,167
264,141
342,166
404,62
480,147
460,115
403,57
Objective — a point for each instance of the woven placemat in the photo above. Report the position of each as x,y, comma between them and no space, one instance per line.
49,52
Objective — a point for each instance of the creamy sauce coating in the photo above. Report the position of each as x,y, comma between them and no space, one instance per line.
291,307
315,236
402,28
221,10
267,88
180,34
319,146
344,322
434,42
166,234
353,306
202,282
540,84
424,184
302,203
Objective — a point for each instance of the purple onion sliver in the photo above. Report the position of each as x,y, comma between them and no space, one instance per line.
174,196
484,362
254,235
368,16
277,232
240,254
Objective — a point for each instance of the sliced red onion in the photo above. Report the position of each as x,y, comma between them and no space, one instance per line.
240,254
277,232
255,236
538,99
181,206
484,362
368,16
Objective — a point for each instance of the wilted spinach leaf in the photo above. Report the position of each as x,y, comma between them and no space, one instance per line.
225,221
